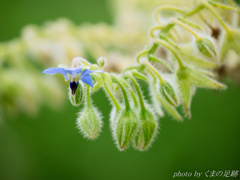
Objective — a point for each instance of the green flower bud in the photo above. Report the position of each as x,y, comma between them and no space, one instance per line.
206,47
159,101
76,99
171,110
102,62
146,131
168,93
125,127
89,122
147,121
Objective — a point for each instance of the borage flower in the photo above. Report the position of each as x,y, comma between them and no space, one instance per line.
74,73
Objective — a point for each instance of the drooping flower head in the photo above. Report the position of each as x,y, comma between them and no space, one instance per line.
75,73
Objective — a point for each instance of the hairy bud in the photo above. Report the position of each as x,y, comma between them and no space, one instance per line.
76,97
102,62
146,131
125,127
89,122
168,93
206,47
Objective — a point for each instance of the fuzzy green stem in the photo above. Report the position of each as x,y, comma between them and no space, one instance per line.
85,62
140,67
88,98
194,10
152,74
114,100
184,20
159,41
155,59
125,96
135,102
210,8
154,47
140,97
155,28
186,27
154,79
166,8
223,6
205,21
154,70
142,54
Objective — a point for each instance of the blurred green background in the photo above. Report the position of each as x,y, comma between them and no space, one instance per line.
49,146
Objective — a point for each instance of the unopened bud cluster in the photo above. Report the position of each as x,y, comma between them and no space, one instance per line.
133,121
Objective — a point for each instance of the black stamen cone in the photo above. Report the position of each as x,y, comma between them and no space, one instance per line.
73,86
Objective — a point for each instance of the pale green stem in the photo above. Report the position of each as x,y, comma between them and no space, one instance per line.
166,8
155,59
154,80
223,6
131,92
190,23
138,67
154,70
176,33
145,52
159,41
186,27
194,10
114,100
88,98
85,62
155,28
140,97
210,8
125,96
153,48
205,21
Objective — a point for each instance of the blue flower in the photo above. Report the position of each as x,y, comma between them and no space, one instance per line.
74,74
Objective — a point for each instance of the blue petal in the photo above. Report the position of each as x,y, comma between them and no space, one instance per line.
54,70
88,80
73,70
87,71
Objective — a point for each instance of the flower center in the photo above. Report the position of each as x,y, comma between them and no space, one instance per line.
73,86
